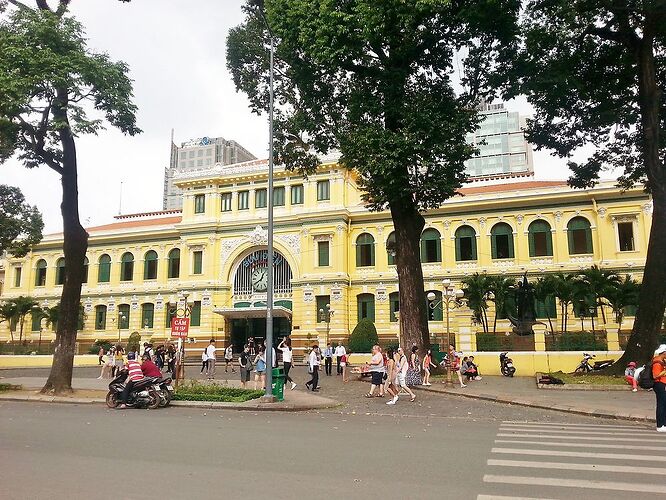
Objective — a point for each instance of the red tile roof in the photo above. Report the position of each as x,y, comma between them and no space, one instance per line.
510,186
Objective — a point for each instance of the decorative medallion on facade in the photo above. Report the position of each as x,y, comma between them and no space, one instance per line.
647,208
380,293
159,302
88,306
111,305
308,294
558,216
292,242
135,303
259,236
206,298
336,293
602,212
519,219
482,221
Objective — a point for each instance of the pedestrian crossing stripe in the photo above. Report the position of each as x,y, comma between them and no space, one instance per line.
579,431
585,445
558,424
626,469
577,438
579,454
575,483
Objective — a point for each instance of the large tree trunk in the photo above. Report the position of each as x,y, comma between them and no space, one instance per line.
408,224
75,244
652,299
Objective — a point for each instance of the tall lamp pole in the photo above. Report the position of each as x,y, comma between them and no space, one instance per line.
121,317
449,296
325,315
268,396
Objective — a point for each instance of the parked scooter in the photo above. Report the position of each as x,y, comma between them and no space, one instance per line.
166,391
506,365
144,393
586,367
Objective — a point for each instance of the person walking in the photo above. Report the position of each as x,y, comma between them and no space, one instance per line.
376,365
314,362
392,376
339,353
414,369
229,358
344,363
328,359
119,361
100,354
403,368
659,376
260,368
245,365
287,357
204,361
210,354
427,363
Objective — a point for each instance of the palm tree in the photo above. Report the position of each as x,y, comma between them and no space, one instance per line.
544,288
594,281
23,307
8,314
477,288
503,291
566,291
52,315
620,295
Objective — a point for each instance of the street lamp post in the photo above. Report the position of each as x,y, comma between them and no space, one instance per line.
449,296
121,317
325,315
268,396
180,359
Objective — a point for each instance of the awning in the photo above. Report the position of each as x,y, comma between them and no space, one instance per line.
252,312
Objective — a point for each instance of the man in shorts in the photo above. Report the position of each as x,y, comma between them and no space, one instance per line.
229,358
402,367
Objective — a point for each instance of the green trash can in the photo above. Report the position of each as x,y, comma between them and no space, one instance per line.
278,383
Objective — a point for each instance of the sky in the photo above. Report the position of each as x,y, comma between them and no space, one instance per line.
176,53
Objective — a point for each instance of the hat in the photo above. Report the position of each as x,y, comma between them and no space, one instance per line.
632,364
130,355
660,350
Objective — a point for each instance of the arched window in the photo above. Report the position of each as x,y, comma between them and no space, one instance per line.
40,273
60,271
100,317
366,306
365,250
435,310
394,304
174,263
391,248
127,267
579,234
150,265
465,243
147,315
86,264
123,316
502,241
540,239
431,246
104,269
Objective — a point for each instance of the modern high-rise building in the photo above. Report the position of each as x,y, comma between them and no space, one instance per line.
503,149
198,154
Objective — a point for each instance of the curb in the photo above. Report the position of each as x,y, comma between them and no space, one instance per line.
554,407
210,405
575,387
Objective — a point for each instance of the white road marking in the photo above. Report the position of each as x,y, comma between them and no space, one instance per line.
575,483
601,432
498,497
583,467
585,445
556,424
580,454
578,438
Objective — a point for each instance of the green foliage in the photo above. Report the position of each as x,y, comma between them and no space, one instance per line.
577,341
9,387
487,342
134,342
476,288
94,348
195,391
621,294
589,379
363,337
21,224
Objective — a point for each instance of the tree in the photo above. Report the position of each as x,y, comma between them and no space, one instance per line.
373,80
566,290
620,295
23,306
21,224
544,289
502,289
8,314
50,81
595,72
595,280
477,290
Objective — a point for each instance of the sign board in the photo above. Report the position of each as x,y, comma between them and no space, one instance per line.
180,327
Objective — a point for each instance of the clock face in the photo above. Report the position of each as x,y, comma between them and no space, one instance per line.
260,279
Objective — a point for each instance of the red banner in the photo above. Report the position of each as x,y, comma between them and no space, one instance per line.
180,327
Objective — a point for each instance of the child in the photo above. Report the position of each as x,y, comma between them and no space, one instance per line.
629,376
204,361
472,370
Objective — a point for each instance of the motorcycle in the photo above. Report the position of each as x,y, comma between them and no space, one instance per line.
506,365
586,367
166,391
144,393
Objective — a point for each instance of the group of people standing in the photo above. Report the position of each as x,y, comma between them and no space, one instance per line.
114,359
209,359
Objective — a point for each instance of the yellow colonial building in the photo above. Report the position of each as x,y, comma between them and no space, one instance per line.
330,254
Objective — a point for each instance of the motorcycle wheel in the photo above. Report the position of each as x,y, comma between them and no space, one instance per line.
154,400
112,399
166,399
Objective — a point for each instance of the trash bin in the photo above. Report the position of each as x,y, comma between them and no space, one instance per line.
278,383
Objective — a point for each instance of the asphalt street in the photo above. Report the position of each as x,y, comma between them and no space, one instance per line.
87,451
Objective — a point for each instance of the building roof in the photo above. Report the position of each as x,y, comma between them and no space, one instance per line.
510,186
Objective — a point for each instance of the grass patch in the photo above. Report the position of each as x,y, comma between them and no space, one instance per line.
195,391
589,379
9,387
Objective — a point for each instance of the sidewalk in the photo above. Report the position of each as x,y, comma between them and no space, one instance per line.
95,392
522,391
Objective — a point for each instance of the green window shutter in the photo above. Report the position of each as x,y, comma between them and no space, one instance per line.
458,256
36,322
549,244
195,315
473,238
493,247
372,254
511,252
323,253
424,257
358,255
588,240
570,240
530,239
371,308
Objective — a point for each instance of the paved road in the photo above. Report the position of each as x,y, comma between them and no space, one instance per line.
71,451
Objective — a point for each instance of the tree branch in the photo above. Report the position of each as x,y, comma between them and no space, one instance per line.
43,5
20,5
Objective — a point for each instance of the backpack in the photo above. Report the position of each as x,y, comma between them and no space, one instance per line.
645,379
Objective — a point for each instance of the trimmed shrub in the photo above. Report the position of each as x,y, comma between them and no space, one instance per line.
195,391
134,342
578,342
94,348
487,342
363,337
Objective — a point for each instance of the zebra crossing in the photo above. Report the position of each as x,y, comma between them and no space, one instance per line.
548,460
